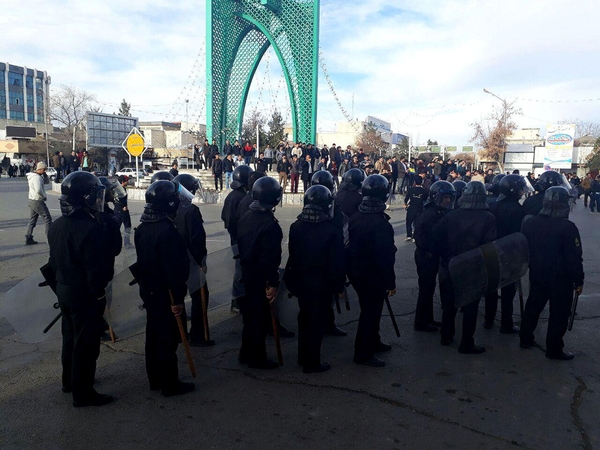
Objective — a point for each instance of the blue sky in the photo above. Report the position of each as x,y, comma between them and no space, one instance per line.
421,65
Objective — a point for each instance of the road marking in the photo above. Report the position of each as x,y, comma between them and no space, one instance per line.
589,295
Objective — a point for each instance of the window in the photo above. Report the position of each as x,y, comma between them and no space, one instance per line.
2,78
15,79
30,117
17,115
15,98
30,101
29,81
2,113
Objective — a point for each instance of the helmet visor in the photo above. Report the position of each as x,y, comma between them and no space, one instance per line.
118,191
185,196
446,199
95,199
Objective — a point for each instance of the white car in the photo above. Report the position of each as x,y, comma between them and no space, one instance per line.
51,172
130,172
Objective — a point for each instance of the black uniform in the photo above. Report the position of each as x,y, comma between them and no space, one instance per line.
371,272
229,212
259,242
348,199
459,231
244,205
190,225
122,216
78,257
555,267
533,205
427,258
314,273
509,216
415,197
164,266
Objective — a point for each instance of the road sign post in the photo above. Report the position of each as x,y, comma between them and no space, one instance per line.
135,146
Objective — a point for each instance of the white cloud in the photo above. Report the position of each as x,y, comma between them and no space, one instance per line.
420,64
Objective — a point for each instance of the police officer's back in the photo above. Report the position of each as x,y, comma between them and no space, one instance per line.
78,258
230,205
534,204
348,198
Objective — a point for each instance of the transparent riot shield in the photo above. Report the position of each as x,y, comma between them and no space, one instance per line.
488,268
30,308
220,273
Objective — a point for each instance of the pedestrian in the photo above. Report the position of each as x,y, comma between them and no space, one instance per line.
230,220
57,166
73,162
371,267
283,169
164,267
87,162
217,170
585,185
268,155
174,172
440,199
306,172
259,239
295,168
555,271
594,194
37,202
457,232
122,211
78,257
228,166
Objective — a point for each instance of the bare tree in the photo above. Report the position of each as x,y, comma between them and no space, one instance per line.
68,108
583,129
490,134
371,142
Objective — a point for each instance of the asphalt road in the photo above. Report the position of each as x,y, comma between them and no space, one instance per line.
427,396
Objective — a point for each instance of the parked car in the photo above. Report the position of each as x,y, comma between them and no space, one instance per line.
130,172
51,172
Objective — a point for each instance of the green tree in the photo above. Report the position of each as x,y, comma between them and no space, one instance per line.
125,109
430,142
276,133
403,147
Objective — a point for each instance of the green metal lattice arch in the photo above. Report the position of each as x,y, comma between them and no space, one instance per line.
239,33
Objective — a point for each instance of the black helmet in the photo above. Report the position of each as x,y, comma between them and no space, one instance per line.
375,187
474,196
511,186
108,196
266,191
548,179
161,196
556,202
354,176
493,188
459,187
162,175
439,191
190,182
256,175
318,198
81,189
240,177
323,178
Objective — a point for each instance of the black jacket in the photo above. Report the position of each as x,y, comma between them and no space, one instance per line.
190,226
217,167
423,235
307,170
509,216
348,201
244,205
229,212
415,197
315,266
284,167
462,230
111,235
555,253
372,251
533,205
259,242
78,254
163,262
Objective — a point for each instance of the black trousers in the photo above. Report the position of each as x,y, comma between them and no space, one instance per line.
393,184
256,315
411,217
162,339
330,317
560,296
449,315
371,300
312,323
427,270
507,295
197,322
219,182
81,339
306,184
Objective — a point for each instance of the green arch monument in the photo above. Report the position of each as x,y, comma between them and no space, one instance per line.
239,32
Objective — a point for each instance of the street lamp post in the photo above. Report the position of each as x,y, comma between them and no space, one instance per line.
503,122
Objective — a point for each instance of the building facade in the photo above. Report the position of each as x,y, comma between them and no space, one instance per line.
23,93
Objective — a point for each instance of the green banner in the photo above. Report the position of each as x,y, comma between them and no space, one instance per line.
421,149
435,148
451,148
467,148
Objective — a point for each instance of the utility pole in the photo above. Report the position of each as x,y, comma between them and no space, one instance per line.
47,83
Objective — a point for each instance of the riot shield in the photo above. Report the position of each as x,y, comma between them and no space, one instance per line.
220,273
488,268
196,277
30,308
124,309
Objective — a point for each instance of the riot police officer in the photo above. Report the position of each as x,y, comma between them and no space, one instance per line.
161,175
340,220
191,227
534,204
259,239
314,273
78,258
459,187
555,269
427,255
413,204
459,231
229,216
494,188
348,197
164,267
509,216
371,267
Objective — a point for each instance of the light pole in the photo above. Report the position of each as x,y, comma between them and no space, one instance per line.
504,108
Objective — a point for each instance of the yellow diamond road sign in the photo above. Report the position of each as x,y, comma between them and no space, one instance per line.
134,144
